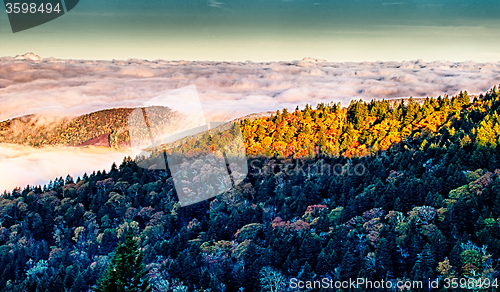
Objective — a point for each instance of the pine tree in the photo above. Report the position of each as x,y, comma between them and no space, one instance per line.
357,112
126,272
290,133
348,265
307,273
325,263
278,118
79,284
311,246
261,133
384,254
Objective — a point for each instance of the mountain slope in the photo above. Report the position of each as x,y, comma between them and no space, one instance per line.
418,210
37,131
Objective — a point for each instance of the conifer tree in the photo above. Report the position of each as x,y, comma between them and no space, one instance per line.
307,273
126,273
324,263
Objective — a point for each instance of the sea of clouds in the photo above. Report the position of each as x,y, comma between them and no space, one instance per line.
22,165
227,90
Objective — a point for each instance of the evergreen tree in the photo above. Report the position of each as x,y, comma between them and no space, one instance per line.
325,263
357,112
126,272
261,133
78,284
278,119
307,273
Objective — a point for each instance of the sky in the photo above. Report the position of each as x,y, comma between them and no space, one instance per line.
266,30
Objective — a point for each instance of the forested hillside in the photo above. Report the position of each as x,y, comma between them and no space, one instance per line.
38,130
362,128
380,192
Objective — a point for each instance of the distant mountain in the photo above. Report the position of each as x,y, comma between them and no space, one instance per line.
29,57
86,130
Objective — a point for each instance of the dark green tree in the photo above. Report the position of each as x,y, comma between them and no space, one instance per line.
357,112
126,273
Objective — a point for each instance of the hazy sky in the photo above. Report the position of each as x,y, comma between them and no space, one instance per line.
266,30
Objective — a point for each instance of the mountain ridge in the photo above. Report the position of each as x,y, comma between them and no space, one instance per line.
38,134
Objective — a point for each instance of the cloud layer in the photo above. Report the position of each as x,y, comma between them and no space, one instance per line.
21,165
227,89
